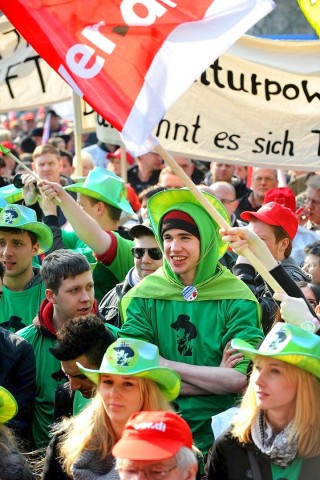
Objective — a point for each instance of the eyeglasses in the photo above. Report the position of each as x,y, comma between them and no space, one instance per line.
149,472
310,265
154,253
312,201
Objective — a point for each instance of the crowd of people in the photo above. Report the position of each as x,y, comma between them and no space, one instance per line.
129,319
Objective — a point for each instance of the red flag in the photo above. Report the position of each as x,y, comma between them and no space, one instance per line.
131,59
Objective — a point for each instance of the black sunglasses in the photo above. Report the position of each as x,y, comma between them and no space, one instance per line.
154,253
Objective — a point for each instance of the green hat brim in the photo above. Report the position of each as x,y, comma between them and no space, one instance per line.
11,194
167,200
304,360
122,205
43,233
9,407
168,380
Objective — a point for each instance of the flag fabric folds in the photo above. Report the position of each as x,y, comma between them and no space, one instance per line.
131,59
311,10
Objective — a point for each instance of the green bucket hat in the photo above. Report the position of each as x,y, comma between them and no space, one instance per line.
105,186
288,343
24,218
128,356
8,405
167,200
11,194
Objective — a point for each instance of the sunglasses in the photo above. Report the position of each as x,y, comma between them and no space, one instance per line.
154,253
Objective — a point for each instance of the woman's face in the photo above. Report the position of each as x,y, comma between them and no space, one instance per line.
275,392
310,296
121,397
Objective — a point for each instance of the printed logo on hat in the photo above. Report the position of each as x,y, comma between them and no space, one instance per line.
123,355
11,215
278,340
160,426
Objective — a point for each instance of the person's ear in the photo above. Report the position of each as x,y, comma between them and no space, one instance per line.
192,472
284,244
35,249
50,295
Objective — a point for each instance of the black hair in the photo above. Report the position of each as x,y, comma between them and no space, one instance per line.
2,270
86,335
20,231
61,264
313,249
315,288
67,154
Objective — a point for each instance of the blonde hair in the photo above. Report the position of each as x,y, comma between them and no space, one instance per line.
91,429
306,421
43,149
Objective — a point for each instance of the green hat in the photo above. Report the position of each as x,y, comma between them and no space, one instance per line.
288,343
168,200
24,218
128,356
11,194
105,186
8,405
3,203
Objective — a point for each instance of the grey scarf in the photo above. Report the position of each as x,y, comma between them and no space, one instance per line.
275,446
89,466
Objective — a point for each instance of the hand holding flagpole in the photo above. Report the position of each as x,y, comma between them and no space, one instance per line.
260,268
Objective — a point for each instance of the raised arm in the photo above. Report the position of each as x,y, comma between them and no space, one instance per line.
85,227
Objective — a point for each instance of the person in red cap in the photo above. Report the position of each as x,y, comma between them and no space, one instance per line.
277,226
159,444
286,197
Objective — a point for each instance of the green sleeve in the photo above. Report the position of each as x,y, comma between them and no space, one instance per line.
137,324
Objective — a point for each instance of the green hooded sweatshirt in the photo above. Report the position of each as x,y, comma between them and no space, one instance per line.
194,332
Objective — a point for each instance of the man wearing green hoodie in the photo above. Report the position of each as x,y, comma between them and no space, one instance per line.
191,307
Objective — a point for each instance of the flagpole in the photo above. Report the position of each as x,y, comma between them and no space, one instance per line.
260,268
123,159
77,132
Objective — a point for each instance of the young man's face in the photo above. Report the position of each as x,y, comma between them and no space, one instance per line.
146,264
78,381
75,296
91,208
48,166
17,252
266,233
182,251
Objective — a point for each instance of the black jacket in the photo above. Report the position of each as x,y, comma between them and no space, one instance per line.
18,375
229,460
286,274
109,305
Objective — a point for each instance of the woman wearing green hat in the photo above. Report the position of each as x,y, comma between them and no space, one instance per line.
276,433
129,380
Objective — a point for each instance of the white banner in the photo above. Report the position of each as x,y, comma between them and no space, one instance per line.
258,104
26,80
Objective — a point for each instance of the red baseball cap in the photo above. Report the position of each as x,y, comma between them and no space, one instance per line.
117,154
153,436
282,195
273,213
27,116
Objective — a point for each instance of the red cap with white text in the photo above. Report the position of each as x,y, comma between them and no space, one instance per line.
153,436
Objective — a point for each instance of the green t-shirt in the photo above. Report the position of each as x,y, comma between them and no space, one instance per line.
18,309
105,276
48,377
291,472
195,333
